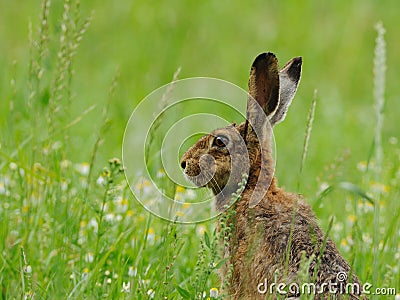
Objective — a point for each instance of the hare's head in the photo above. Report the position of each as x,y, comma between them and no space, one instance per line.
219,159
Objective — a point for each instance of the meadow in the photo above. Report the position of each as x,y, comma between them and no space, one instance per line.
72,73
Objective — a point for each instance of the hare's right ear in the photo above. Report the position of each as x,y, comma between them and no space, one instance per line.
263,88
289,78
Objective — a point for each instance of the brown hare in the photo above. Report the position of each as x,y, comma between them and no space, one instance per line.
274,230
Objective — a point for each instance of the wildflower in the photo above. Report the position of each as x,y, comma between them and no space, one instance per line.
179,214
200,229
132,272
179,189
190,194
109,281
121,205
93,224
109,217
107,273
115,161
100,180
214,293
362,166
351,218
65,164
13,166
144,185
322,187
126,287
379,187
85,273
83,182
151,293
25,209
72,276
150,235
28,295
367,238
345,245
28,269
83,168
89,257
64,185
186,205
160,173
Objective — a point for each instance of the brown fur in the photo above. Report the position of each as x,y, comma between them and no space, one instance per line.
259,243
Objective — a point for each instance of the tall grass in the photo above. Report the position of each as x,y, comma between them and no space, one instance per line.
379,90
70,229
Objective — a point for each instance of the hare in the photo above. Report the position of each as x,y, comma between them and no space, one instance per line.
274,234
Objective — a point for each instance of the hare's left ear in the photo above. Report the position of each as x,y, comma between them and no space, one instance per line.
263,89
289,78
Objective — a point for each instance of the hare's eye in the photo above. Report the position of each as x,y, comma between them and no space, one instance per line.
220,141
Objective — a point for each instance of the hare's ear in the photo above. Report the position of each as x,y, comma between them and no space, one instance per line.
289,78
263,87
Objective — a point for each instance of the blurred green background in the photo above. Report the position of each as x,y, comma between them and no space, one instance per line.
147,41
142,44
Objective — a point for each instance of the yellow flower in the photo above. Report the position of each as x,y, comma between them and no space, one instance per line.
180,189
186,205
352,218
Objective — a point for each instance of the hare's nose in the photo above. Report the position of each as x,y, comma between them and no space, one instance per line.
183,164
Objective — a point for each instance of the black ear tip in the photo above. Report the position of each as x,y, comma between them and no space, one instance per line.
294,70
265,58
298,61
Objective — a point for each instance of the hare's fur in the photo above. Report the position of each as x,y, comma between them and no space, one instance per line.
258,248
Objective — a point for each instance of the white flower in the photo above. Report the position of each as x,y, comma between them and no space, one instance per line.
28,269
109,217
65,164
82,168
100,180
126,287
89,257
214,293
151,293
93,224
200,229
64,185
132,272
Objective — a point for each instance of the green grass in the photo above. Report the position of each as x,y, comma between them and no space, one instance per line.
69,226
